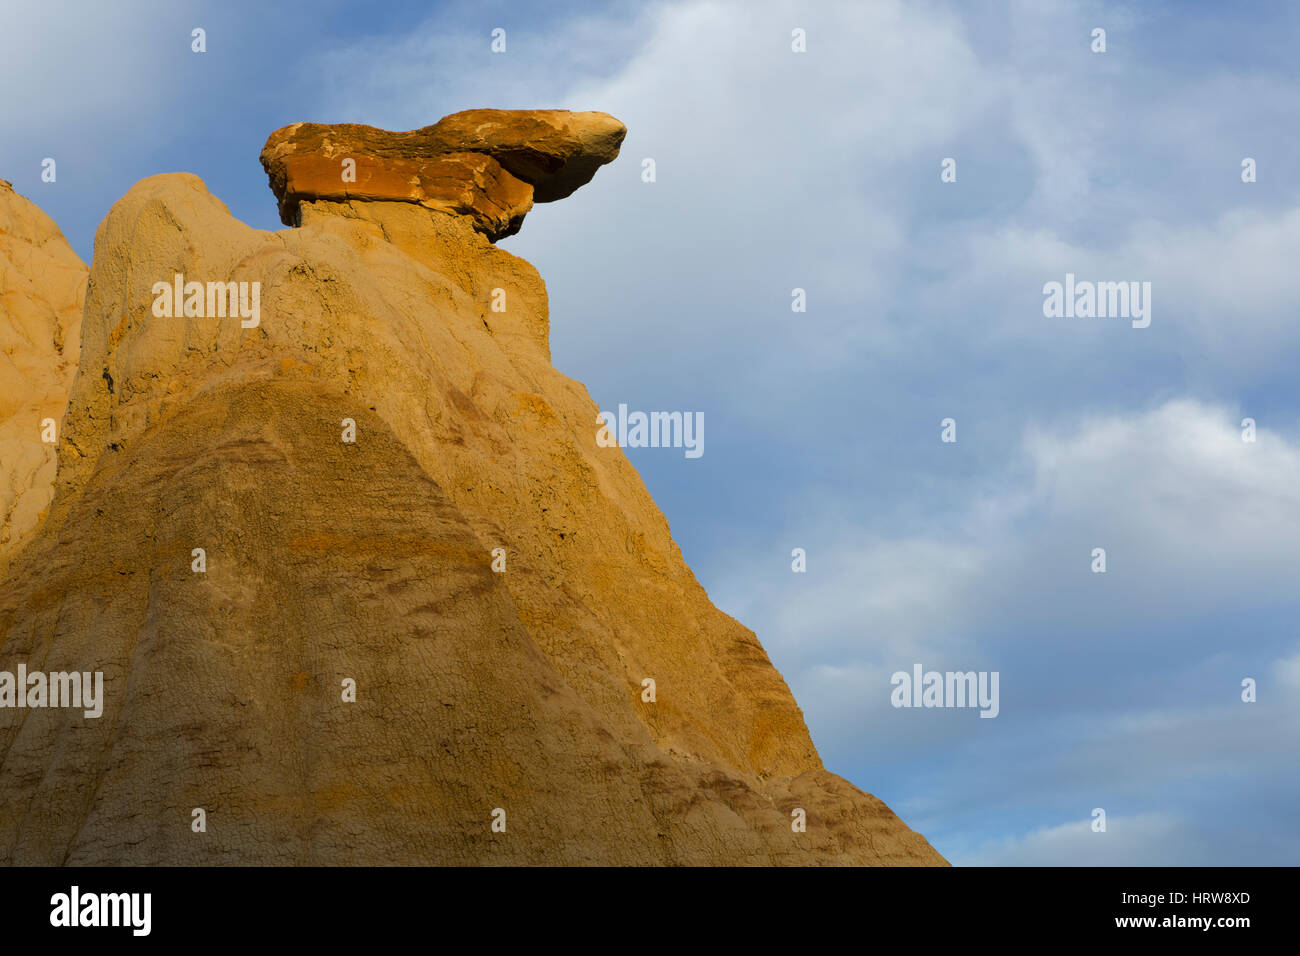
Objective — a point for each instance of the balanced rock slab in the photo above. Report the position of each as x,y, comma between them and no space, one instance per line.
487,165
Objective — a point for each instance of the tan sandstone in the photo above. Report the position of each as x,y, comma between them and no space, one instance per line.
42,289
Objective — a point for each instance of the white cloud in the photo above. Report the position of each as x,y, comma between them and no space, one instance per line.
1287,671
1193,519
1189,514
1220,286
1181,503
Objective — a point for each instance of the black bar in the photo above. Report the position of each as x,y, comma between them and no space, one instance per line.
639,907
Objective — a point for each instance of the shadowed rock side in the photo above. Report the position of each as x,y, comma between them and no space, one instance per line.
42,289
328,560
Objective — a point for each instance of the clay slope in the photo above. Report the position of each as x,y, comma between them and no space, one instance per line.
372,561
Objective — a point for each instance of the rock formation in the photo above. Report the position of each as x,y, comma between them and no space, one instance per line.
42,288
393,488
489,165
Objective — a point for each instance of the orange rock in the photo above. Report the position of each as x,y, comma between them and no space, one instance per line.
488,165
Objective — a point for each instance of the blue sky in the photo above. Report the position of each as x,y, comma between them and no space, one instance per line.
820,171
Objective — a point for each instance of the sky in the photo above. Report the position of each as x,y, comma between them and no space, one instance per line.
821,170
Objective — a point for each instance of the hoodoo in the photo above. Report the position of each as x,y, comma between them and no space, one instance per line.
427,598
